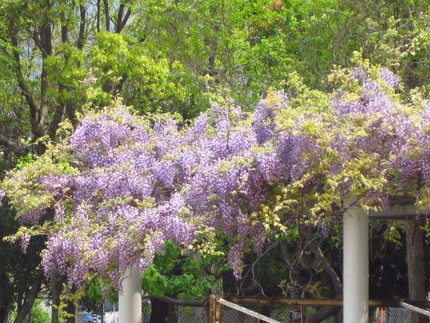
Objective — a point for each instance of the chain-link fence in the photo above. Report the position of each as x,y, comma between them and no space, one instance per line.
393,315
283,314
229,315
283,310
288,315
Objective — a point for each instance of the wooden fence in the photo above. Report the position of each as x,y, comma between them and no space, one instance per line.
216,302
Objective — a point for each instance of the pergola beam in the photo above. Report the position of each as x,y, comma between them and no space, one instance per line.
355,267
283,301
395,212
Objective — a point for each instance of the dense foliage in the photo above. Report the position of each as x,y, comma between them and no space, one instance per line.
63,58
120,185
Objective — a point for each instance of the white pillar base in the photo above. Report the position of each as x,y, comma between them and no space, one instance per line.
130,300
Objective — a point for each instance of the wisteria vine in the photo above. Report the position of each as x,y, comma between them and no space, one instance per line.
121,185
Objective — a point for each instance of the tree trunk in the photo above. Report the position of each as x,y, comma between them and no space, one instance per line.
6,297
98,16
159,311
46,43
25,310
55,294
107,15
326,311
33,108
83,24
416,266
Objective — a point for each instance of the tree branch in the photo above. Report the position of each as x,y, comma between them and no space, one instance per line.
15,148
107,16
125,19
176,302
82,25
327,311
25,310
34,110
46,40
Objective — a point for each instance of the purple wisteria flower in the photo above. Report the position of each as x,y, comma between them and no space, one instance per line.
390,78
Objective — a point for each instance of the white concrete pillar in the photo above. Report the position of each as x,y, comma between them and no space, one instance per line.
130,300
355,265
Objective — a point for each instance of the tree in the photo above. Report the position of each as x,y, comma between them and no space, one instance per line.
393,34
171,52
53,51
18,270
241,51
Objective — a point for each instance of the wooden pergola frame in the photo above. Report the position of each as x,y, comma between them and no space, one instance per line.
217,301
355,270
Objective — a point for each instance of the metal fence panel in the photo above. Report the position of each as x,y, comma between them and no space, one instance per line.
230,315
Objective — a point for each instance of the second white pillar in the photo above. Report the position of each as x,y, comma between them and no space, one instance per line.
130,300
355,265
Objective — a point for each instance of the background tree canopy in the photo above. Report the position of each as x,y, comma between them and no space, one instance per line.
326,122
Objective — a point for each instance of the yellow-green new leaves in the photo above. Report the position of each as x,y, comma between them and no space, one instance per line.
23,185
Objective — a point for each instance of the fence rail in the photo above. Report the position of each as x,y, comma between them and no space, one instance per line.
414,308
216,304
247,311
230,309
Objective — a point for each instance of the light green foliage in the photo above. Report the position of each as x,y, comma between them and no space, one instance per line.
393,231
23,185
177,275
94,290
124,67
40,313
67,75
393,34
288,36
202,36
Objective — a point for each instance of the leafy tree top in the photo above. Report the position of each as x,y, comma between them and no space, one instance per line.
120,185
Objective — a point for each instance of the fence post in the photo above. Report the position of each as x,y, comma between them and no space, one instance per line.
215,310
